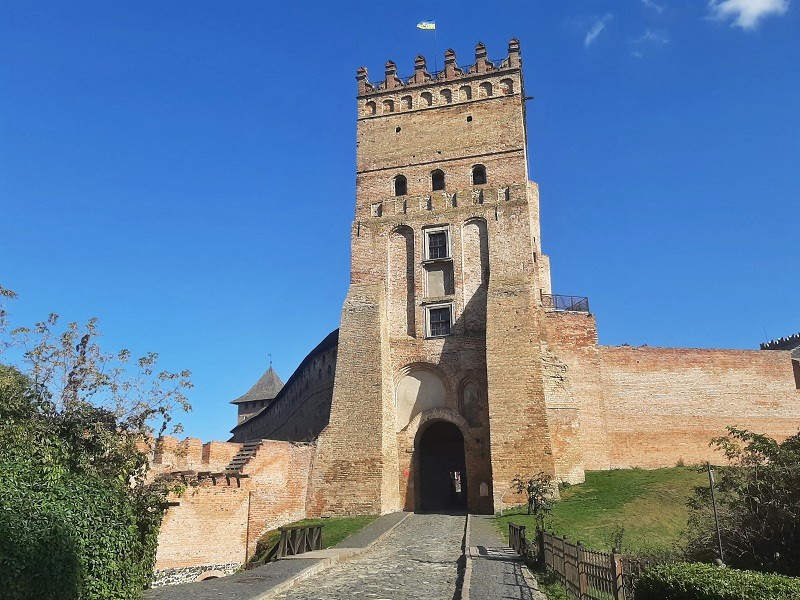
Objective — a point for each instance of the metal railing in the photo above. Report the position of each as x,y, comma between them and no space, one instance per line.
560,303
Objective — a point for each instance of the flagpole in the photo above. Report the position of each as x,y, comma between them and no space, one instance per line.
435,50
428,25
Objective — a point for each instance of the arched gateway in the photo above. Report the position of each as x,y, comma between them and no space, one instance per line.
442,477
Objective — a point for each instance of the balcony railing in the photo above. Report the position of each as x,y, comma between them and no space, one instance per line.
560,303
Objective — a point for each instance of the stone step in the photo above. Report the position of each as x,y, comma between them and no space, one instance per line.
243,456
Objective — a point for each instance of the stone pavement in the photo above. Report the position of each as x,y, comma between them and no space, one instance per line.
271,579
400,556
420,560
493,569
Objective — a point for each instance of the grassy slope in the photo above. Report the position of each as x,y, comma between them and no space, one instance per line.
649,505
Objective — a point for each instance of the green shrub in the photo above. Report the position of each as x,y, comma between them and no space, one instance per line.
696,581
76,538
757,505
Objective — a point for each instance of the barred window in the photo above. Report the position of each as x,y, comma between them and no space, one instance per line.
437,245
439,320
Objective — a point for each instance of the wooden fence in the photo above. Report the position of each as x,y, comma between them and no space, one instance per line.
293,540
586,574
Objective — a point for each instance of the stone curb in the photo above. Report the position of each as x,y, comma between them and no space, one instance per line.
468,563
326,563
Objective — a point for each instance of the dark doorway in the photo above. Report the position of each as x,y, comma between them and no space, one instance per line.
442,469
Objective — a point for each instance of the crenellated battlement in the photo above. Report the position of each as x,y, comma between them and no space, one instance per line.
785,343
450,74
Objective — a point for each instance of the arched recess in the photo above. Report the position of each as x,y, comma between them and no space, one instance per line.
400,185
439,463
401,282
421,420
486,89
420,388
478,175
471,403
210,575
437,180
475,273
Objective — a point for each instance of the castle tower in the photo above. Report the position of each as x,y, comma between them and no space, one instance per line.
438,400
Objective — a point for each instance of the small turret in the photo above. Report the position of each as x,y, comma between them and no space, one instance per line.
392,81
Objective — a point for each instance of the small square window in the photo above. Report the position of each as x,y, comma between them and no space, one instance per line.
439,320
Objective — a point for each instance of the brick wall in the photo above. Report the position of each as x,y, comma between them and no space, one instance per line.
191,455
665,404
220,524
575,393
355,468
653,407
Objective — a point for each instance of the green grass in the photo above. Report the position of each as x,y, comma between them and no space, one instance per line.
648,509
549,584
336,529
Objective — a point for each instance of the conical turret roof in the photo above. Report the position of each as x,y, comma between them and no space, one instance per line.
266,388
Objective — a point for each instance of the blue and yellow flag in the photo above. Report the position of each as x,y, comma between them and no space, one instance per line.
426,25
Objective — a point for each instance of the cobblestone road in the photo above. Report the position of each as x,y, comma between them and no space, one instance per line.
419,560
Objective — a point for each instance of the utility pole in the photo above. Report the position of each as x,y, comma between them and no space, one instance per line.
714,504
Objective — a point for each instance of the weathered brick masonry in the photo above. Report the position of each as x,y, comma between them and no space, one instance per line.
222,511
455,368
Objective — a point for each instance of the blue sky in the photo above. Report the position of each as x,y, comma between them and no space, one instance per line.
185,170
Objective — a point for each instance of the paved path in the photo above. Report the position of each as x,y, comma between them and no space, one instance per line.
419,560
496,570
268,580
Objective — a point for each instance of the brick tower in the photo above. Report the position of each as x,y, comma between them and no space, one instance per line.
438,398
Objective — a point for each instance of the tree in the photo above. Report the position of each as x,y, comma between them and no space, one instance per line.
78,516
758,501
539,491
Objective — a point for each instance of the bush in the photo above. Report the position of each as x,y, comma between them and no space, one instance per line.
758,500
77,538
696,581
79,517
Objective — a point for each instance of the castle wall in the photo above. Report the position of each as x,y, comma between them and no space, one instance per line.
520,436
663,405
301,409
575,393
620,407
191,455
216,526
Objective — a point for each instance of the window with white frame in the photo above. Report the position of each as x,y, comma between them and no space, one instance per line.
439,319
437,243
